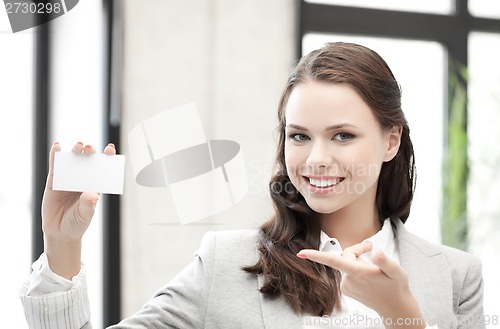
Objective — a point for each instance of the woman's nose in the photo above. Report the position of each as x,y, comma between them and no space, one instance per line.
320,156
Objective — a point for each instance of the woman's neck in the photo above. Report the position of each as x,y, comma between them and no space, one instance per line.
352,224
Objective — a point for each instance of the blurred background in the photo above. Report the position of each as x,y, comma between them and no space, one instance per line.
107,65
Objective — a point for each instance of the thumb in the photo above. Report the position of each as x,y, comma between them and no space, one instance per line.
87,204
387,265
56,147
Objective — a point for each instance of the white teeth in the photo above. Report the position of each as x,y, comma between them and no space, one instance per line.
324,182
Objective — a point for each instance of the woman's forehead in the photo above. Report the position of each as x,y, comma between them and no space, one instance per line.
324,104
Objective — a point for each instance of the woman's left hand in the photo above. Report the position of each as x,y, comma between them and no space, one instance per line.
381,284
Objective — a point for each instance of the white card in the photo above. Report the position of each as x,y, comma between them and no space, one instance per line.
94,173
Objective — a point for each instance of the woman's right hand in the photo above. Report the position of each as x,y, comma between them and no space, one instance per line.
65,218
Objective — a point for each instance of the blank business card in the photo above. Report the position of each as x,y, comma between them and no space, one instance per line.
95,173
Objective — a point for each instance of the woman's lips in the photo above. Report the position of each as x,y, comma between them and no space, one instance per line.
322,184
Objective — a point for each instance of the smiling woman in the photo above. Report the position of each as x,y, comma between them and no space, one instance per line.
337,243
340,123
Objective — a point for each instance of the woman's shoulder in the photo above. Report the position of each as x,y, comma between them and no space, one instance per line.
457,256
232,238
462,263
230,244
458,260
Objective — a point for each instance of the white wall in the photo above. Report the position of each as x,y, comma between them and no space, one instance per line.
230,57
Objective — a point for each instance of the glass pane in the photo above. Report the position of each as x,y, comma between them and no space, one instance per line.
484,159
485,8
419,66
77,93
16,104
421,6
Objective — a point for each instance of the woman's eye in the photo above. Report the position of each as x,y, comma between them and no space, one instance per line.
343,137
299,137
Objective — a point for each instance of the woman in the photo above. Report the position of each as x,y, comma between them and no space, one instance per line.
335,254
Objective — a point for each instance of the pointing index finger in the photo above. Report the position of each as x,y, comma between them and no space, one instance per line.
347,262
335,261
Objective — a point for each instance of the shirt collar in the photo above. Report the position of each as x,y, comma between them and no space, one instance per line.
383,240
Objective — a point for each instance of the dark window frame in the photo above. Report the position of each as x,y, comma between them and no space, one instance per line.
113,10
450,30
41,144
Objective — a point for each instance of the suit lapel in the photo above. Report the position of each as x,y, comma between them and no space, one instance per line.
428,274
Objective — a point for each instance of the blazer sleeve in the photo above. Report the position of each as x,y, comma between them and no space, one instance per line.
470,302
182,303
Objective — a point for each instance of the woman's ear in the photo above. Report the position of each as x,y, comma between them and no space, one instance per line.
393,142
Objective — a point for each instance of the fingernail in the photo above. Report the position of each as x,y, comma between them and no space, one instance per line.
80,143
301,256
112,145
56,143
88,146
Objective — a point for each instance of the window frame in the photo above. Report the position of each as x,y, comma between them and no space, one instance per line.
450,30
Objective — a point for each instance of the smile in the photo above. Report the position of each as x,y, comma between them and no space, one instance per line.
323,184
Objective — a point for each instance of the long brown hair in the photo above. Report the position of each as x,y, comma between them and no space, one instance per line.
310,287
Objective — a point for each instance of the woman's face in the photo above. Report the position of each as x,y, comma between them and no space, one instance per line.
334,146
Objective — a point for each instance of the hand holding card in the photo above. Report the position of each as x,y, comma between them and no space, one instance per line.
74,184
97,172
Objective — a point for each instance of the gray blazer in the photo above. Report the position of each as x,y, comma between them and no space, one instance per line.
213,291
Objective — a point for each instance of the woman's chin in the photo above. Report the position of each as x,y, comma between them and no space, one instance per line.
322,208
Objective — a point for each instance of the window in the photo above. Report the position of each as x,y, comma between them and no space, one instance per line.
484,154
424,6
77,113
485,8
16,104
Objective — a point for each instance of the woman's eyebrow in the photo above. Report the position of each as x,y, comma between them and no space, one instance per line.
340,126
334,127
295,127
